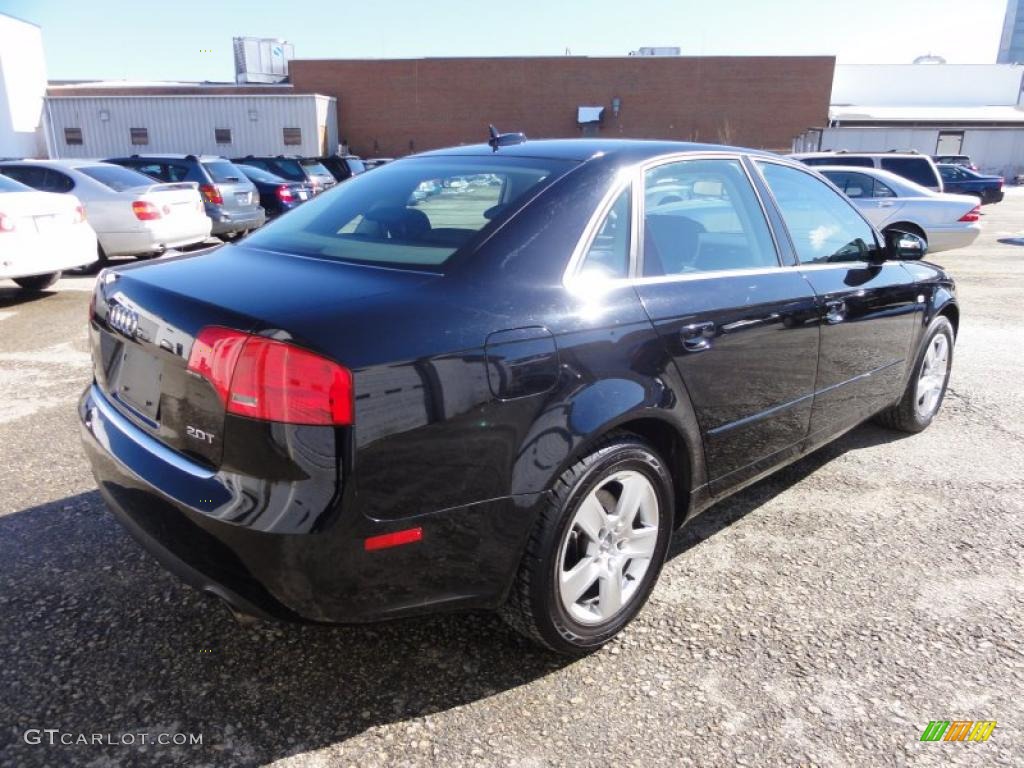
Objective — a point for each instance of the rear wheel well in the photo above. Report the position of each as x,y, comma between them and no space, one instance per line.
671,446
906,226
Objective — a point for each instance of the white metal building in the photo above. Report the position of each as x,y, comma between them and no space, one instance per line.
22,88
232,125
948,109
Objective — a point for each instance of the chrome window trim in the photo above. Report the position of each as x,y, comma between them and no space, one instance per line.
579,253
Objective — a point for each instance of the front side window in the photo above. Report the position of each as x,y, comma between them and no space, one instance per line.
823,225
608,255
701,216
416,212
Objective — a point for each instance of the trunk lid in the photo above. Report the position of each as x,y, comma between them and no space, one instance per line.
146,317
238,192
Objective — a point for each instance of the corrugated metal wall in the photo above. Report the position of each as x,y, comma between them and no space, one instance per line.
186,124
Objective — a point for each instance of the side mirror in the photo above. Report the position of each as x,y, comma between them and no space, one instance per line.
905,246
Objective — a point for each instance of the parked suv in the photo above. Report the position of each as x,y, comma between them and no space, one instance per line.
343,166
307,170
963,160
229,198
963,181
913,166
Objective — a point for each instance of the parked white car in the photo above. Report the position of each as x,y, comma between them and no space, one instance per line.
889,201
132,214
41,234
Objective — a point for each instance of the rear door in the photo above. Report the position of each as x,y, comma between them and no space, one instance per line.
868,306
740,326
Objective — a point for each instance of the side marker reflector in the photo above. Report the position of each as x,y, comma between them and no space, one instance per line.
396,539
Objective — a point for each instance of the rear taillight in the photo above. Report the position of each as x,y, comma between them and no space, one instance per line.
6,223
270,380
284,194
211,194
145,210
79,214
972,215
1001,182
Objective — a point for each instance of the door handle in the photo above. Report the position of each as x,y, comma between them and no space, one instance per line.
835,311
697,336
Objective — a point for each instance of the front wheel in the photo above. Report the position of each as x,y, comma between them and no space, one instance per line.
38,282
596,549
928,382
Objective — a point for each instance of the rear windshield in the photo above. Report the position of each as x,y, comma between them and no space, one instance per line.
860,162
415,212
314,168
10,185
917,169
115,177
222,171
258,174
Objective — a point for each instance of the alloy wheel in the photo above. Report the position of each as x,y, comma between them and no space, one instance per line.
932,377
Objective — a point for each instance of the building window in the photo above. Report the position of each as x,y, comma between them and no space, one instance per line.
292,136
140,135
222,135
72,136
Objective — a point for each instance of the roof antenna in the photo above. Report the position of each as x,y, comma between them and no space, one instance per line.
503,139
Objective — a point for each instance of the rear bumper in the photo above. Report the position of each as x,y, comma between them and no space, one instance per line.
155,239
227,222
466,559
32,256
993,196
948,238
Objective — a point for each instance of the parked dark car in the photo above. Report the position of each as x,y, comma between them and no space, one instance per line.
963,160
962,181
343,166
506,397
303,169
231,200
277,195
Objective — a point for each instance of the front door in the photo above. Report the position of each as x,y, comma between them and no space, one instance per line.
868,305
740,326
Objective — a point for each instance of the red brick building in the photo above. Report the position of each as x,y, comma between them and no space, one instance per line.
392,107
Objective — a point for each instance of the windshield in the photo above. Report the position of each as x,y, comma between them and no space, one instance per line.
10,185
415,212
222,171
258,174
115,177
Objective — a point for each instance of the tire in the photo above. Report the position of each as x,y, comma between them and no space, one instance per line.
38,282
559,545
916,409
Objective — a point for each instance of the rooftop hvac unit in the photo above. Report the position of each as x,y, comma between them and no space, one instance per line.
262,59
665,50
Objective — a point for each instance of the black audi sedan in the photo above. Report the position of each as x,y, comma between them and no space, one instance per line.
508,394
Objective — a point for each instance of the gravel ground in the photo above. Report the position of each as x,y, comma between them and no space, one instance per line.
821,617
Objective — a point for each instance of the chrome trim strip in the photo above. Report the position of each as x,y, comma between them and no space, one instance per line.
144,441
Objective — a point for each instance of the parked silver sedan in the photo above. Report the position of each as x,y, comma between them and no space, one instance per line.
890,202
132,214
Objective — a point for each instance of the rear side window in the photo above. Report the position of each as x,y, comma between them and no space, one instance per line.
608,255
115,177
355,165
703,216
917,169
823,224
416,212
154,170
856,185
223,172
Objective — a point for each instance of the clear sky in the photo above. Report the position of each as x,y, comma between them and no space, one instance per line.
168,39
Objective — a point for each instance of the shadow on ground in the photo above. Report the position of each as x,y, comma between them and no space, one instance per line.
96,638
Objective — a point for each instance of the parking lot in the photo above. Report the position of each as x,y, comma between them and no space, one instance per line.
822,617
